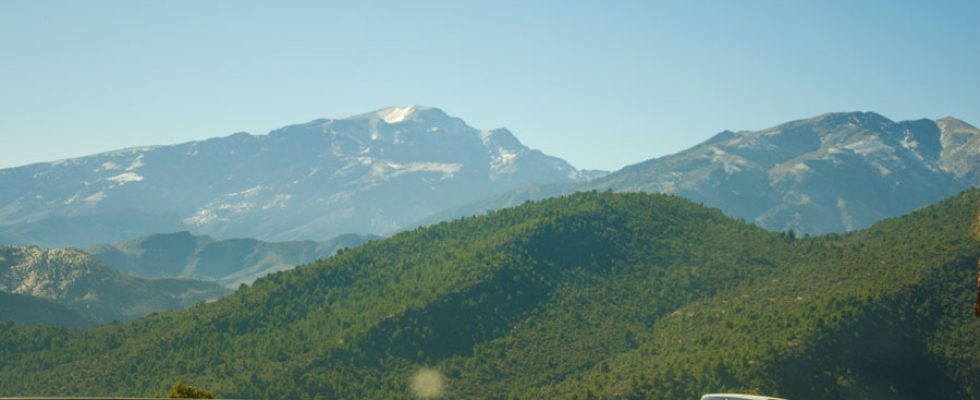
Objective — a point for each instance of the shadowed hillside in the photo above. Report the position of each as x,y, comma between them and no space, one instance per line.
24,309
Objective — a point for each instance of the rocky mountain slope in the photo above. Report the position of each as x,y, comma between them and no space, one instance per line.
230,262
88,287
594,295
368,174
835,172
960,148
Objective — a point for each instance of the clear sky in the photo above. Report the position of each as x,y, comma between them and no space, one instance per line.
602,84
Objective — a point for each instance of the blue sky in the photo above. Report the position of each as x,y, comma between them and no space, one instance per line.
602,84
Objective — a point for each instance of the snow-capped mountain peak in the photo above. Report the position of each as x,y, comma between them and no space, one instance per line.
396,114
370,173
401,114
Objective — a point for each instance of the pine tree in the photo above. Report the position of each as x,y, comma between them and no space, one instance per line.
182,390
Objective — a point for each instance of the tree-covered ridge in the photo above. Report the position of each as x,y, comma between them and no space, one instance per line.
593,294
882,313
24,309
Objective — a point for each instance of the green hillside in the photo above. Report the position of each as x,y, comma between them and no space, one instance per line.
594,295
24,309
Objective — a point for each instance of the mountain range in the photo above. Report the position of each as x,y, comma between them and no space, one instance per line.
836,172
602,290
593,295
93,291
229,262
396,168
373,173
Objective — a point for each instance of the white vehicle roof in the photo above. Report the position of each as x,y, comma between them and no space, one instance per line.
737,396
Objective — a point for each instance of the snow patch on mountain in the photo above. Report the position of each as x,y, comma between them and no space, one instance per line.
108,166
218,211
388,169
137,162
247,193
869,146
503,163
96,197
731,163
485,138
278,201
396,114
505,156
125,177
201,217
799,168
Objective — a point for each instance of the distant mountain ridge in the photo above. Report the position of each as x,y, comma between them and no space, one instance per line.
832,173
73,279
373,173
229,262
396,168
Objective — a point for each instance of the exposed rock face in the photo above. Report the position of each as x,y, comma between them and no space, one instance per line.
960,150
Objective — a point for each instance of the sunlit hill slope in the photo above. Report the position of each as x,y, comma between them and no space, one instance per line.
593,295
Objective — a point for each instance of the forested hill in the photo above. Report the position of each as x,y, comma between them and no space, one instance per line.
593,295
24,309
